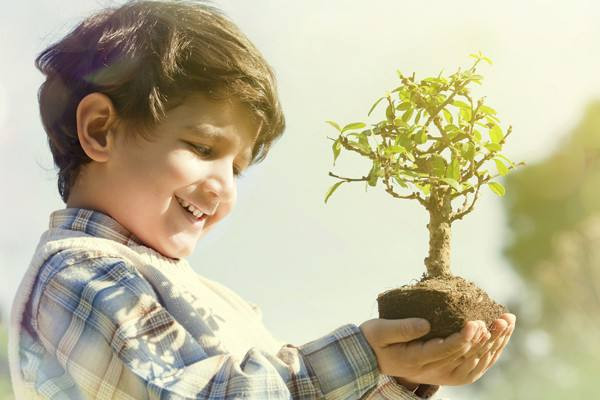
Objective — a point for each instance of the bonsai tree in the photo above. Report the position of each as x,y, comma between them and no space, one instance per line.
439,146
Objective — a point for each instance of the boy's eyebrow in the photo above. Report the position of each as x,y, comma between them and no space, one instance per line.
206,132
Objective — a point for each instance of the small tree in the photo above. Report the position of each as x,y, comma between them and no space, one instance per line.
436,146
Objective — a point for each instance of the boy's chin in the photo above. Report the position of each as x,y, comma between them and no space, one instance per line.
174,250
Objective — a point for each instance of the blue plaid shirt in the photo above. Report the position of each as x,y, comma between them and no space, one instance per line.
70,350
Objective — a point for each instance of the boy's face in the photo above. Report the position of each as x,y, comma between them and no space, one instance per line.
196,152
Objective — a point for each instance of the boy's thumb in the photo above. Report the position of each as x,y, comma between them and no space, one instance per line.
405,330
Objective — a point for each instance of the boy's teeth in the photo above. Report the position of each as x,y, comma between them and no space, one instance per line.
190,208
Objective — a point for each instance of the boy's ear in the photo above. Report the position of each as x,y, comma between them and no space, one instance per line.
96,116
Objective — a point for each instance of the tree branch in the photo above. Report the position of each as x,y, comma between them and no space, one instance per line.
364,178
413,195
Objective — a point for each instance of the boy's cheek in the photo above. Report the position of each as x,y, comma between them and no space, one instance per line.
222,211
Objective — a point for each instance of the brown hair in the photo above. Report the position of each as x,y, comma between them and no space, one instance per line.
146,56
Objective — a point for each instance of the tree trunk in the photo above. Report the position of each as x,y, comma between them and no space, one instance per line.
440,208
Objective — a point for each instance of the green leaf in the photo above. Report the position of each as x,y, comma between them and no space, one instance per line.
418,117
496,134
374,174
394,150
403,106
335,125
512,164
453,183
337,147
332,189
437,165
497,188
453,134
467,150
453,170
492,119
502,169
480,56
400,181
448,116
451,128
399,122
389,112
476,136
421,137
364,141
493,147
487,110
375,105
360,146
426,189
406,116
353,125
461,104
466,114
434,80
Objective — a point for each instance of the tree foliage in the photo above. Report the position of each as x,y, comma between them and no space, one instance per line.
435,137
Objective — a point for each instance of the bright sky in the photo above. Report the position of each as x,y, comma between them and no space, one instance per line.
309,266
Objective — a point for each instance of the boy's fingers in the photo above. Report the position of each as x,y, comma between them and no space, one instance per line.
454,345
482,346
393,331
510,318
463,359
505,340
382,333
498,326
492,352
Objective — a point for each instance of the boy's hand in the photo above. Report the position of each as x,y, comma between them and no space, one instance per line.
459,359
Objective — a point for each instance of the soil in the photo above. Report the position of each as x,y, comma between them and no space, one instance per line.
447,302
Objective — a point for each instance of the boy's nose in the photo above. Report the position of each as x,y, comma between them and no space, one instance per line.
221,184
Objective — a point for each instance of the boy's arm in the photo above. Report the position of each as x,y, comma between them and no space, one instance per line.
388,387
115,339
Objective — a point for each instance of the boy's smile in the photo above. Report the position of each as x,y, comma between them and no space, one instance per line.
171,190
192,211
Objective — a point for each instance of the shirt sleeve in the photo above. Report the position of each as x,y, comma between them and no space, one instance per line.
388,388
113,339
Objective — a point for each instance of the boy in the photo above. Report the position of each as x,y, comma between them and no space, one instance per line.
152,110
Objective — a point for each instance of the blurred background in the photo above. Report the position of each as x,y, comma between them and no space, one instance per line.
313,268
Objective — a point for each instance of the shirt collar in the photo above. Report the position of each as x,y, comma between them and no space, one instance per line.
94,223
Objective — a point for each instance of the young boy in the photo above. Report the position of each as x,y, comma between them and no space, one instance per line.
152,110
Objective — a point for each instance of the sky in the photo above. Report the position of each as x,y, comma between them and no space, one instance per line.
314,267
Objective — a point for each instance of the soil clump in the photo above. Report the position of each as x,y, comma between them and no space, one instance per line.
447,302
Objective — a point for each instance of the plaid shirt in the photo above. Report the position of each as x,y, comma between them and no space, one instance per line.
87,335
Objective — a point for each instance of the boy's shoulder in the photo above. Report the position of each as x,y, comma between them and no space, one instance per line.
76,268
68,272
79,263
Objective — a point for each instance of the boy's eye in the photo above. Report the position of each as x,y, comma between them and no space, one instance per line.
206,151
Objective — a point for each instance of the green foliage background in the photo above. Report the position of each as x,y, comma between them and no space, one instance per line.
553,243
